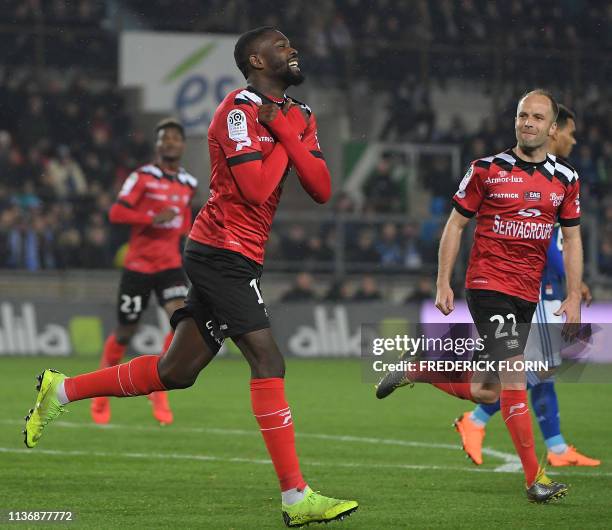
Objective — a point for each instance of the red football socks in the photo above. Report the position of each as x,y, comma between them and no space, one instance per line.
274,417
515,412
458,385
138,377
460,390
113,352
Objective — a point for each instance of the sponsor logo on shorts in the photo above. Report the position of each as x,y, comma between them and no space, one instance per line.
174,292
512,344
210,328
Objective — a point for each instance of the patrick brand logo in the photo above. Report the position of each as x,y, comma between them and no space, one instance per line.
518,406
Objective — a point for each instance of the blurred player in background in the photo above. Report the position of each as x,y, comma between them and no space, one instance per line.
256,134
517,197
155,201
544,342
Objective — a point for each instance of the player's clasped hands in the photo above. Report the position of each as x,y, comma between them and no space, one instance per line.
267,112
445,299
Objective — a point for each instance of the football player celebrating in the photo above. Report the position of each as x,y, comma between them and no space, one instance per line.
256,134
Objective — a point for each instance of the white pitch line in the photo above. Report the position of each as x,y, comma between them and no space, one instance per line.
511,462
212,458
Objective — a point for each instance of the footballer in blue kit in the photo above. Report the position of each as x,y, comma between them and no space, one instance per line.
544,343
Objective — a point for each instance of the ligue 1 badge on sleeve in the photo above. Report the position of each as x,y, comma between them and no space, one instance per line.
465,181
237,129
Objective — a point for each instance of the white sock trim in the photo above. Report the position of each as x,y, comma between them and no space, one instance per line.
292,496
61,394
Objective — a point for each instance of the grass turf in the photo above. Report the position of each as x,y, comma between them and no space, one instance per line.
399,457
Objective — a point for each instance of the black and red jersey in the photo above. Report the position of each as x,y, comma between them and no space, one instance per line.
148,191
235,136
516,204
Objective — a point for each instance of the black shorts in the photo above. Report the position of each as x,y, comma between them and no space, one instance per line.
135,290
225,297
503,322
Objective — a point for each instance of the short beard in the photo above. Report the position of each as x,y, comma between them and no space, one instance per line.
292,79
528,149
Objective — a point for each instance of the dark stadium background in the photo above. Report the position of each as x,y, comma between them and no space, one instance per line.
406,95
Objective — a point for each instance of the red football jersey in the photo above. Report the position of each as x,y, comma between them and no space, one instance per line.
154,248
235,136
516,204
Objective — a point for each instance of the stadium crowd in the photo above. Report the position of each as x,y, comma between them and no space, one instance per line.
64,151
337,29
66,143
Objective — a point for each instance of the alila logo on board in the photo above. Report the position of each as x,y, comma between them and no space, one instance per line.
19,334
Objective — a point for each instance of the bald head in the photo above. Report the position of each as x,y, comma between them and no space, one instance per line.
554,106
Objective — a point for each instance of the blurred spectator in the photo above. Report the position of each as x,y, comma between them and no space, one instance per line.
96,252
319,251
364,251
294,244
412,258
438,178
388,247
368,290
302,290
138,148
339,291
605,254
382,190
31,246
424,290
27,199
65,175
33,124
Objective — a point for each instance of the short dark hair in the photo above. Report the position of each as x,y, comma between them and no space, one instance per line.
244,45
564,116
545,93
170,123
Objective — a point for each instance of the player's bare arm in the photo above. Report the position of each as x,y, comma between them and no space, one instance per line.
573,258
447,255
586,295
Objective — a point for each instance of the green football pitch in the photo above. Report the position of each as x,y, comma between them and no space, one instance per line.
400,458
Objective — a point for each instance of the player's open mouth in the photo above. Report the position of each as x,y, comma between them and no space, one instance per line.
293,63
